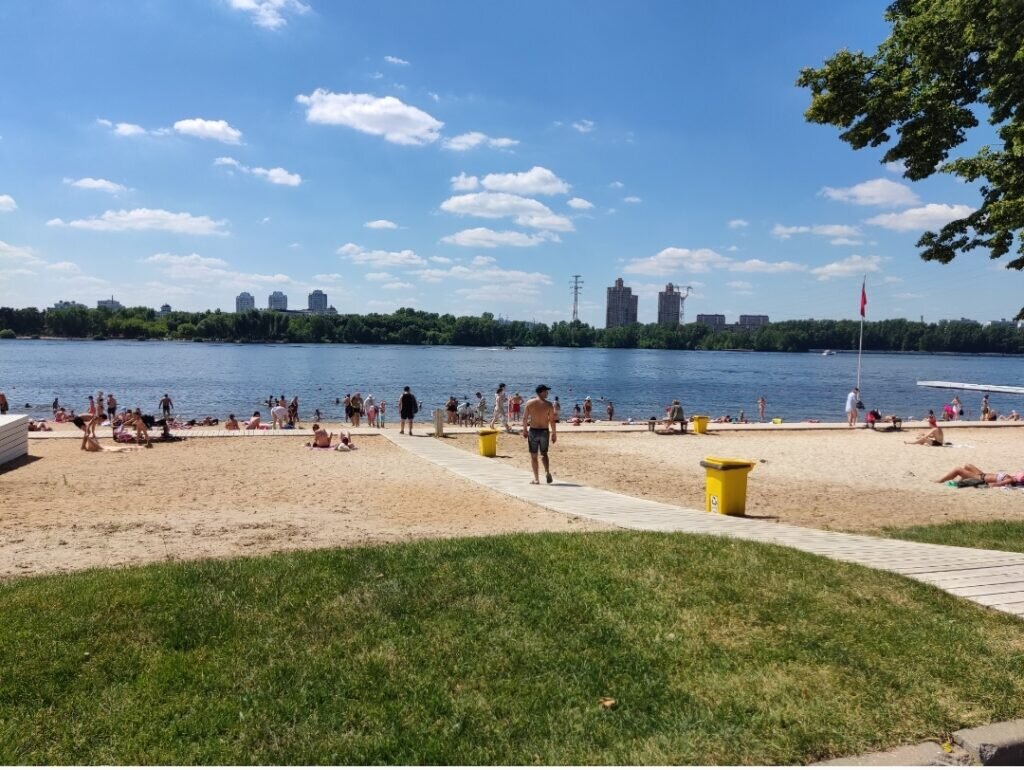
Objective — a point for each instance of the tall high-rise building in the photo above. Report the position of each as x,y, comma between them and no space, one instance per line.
668,306
278,301
622,305
244,301
317,301
751,322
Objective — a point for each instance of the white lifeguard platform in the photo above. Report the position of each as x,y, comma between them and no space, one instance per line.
13,438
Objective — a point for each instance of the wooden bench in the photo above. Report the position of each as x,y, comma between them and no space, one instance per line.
13,437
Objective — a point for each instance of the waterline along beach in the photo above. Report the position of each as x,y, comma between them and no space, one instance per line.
541,384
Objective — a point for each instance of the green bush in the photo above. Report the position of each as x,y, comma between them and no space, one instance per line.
7,334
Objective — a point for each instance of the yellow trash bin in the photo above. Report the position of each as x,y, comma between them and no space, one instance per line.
700,423
726,484
488,442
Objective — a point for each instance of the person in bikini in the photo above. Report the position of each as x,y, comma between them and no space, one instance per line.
968,471
540,429
934,437
231,424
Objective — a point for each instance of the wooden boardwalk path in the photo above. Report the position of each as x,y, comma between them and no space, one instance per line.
991,578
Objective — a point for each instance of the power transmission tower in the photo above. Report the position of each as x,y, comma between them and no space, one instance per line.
577,287
682,304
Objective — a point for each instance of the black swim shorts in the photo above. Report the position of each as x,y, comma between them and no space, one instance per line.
537,440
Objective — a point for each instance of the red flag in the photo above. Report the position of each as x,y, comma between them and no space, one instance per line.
863,299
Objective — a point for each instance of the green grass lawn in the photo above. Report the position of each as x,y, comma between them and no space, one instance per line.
495,650
997,535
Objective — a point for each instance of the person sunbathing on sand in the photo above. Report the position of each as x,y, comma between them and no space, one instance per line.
231,424
321,438
38,425
345,444
254,423
998,479
934,437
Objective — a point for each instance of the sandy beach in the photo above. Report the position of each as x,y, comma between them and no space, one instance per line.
852,480
65,509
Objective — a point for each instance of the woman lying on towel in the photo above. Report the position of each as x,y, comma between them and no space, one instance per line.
997,479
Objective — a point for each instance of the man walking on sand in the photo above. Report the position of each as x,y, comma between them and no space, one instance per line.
540,428
851,407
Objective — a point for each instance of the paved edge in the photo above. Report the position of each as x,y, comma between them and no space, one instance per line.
997,744
1001,743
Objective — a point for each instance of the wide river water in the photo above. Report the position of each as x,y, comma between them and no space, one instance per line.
215,379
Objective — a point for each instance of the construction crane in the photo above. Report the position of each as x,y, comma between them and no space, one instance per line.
682,303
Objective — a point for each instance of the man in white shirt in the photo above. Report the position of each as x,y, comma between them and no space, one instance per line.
851,406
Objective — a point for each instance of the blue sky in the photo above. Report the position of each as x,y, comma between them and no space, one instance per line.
456,157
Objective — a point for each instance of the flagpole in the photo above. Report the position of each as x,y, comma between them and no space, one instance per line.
860,346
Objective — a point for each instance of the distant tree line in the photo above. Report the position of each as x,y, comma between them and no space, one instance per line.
415,327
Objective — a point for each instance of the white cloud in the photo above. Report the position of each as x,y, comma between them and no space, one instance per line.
440,260
831,231
381,224
378,277
147,219
463,183
434,96
485,238
23,254
892,279
760,266
896,167
103,185
387,116
273,175
490,281
736,224
475,139
741,285
851,266
537,181
481,260
269,14
396,60
7,203
733,248
908,295
66,268
632,199
580,204
218,130
129,129
676,261
584,126
616,185
378,258
845,242
874,192
329,277
197,270
399,285
931,216
525,211
278,176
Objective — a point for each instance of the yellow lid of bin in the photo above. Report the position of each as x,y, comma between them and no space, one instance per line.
727,463
487,431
